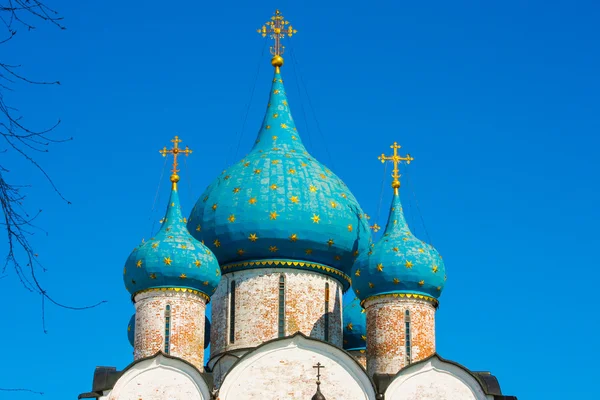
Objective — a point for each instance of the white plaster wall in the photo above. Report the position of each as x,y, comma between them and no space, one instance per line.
257,302
283,370
160,378
435,380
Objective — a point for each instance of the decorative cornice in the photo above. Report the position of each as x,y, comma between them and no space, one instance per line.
415,296
174,289
336,273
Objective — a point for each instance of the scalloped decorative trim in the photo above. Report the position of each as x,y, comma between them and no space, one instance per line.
175,289
429,299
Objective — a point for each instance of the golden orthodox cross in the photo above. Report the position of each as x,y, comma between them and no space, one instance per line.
396,159
175,151
277,28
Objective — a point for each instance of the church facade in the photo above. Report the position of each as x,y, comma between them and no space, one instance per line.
273,244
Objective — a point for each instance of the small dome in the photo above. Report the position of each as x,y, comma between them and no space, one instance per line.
131,330
399,263
355,326
172,258
279,203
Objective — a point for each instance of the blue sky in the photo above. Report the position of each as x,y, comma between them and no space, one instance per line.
497,102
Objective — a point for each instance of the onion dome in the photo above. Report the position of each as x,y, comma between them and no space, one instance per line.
399,263
280,206
172,258
131,330
354,322
206,332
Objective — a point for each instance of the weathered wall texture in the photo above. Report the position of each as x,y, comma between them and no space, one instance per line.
283,370
386,336
160,378
257,304
360,356
186,328
435,380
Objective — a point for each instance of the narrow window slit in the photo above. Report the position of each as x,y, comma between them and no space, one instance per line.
232,313
281,325
167,328
408,336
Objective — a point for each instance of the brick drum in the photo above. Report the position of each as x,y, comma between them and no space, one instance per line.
386,336
257,304
187,325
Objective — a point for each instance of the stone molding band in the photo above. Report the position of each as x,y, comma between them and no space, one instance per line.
174,289
414,296
330,271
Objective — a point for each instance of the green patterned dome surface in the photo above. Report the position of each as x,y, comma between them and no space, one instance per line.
279,203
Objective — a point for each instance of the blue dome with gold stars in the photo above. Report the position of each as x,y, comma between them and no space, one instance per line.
172,258
399,263
279,206
354,321
131,330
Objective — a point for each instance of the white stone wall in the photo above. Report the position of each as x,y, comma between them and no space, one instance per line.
386,336
257,304
435,379
160,378
283,370
186,327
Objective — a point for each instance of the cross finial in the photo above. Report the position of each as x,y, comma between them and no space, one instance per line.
396,159
318,367
175,151
277,27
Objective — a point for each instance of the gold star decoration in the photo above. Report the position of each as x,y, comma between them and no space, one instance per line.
167,260
315,218
355,254
246,164
380,267
396,281
357,272
333,204
439,288
322,176
293,237
308,251
236,190
421,283
214,206
152,276
330,242
205,283
124,270
274,137
344,195
363,337
350,228
421,250
294,199
405,239
275,148
276,91
197,263
227,177
256,171
138,263
183,276
231,218
435,269
349,326
371,285
253,237
395,249
241,252
370,252
217,243
292,171
268,127
252,200
273,249
375,228
408,264
284,126
154,245
337,258
198,228
275,162
183,246
273,215
312,188
273,186
275,115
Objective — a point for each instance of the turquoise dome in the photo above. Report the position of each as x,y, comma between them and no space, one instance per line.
172,258
354,321
399,263
131,330
280,204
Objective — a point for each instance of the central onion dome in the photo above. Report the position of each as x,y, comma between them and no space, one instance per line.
280,206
